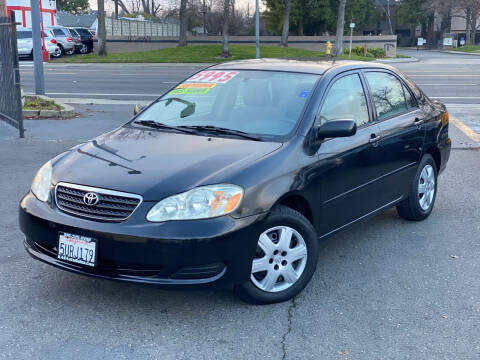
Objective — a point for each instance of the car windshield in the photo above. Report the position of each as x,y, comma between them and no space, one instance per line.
254,102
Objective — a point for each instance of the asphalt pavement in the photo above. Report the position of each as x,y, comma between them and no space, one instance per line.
384,289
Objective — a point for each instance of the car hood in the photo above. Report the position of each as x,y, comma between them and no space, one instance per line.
157,164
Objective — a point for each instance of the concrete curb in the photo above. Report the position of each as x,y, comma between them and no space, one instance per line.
399,60
461,53
67,112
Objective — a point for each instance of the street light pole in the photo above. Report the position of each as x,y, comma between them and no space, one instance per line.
257,29
37,48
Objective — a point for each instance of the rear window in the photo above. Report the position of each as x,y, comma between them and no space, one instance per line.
24,35
83,32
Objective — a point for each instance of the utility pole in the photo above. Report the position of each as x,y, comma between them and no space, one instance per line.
37,48
3,8
257,29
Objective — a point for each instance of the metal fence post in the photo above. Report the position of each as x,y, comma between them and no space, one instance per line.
16,67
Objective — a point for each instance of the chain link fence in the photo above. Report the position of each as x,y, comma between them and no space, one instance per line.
10,97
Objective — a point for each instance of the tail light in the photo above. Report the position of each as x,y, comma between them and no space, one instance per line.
78,40
69,39
53,41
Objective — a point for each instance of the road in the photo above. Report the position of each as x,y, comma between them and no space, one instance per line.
384,289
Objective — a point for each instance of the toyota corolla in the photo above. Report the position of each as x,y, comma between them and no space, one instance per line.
235,175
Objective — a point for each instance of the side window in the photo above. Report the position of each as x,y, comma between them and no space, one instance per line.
387,93
345,100
58,32
411,102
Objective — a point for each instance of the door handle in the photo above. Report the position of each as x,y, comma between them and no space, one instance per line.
374,139
418,121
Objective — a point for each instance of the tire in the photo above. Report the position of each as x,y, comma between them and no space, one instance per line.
300,241
419,205
83,49
57,53
62,50
69,52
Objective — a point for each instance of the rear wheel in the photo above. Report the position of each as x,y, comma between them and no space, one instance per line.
285,260
57,53
83,49
62,50
423,191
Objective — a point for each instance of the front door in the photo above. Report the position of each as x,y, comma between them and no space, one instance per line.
349,169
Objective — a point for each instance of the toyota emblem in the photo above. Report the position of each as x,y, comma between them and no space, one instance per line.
90,199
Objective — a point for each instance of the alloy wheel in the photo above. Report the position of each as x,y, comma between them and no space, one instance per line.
83,49
280,259
426,187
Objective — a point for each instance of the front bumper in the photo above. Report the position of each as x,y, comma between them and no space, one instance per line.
177,254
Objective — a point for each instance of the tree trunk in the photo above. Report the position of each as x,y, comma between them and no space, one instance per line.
474,28
146,6
286,23
300,26
122,5
340,28
226,23
389,17
468,39
183,23
101,33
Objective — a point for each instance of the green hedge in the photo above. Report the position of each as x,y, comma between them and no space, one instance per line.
371,52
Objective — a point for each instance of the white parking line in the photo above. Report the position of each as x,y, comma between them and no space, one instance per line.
83,101
447,84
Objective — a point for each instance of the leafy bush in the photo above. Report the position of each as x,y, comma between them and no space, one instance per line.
371,52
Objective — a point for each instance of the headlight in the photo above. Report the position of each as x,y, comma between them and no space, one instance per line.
199,203
41,182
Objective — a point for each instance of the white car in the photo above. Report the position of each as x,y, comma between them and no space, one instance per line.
25,44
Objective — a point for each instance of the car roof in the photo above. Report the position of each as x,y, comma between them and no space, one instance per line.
298,66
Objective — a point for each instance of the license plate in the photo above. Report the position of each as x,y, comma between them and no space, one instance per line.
77,249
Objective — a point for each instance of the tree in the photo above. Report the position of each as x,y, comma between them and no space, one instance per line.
101,33
183,23
470,11
73,6
340,28
226,23
286,23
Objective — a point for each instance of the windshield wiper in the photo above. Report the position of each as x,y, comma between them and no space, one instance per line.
221,130
157,125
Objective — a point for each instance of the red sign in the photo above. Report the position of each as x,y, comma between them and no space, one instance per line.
219,77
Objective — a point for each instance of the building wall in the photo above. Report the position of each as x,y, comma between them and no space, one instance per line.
22,12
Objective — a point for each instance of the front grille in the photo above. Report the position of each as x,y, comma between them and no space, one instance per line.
111,206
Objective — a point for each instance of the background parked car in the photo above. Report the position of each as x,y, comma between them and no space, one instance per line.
86,37
80,47
25,44
64,39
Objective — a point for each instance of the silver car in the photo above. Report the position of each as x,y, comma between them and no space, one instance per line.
64,39
25,44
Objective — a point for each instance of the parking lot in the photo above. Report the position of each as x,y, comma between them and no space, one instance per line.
384,289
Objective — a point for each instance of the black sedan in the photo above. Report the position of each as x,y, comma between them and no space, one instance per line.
235,175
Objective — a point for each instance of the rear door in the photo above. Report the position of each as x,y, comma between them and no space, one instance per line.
349,169
401,122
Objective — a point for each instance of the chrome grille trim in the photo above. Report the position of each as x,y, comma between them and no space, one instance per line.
114,206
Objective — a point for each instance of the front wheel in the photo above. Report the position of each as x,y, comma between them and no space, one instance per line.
70,51
285,259
423,192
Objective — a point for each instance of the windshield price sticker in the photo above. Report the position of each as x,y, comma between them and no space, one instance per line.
219,77
192,88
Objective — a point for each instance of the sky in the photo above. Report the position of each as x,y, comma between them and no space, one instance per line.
239,4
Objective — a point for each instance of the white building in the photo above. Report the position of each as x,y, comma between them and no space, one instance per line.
22,12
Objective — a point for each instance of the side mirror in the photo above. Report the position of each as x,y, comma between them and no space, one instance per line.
337,128
137,108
